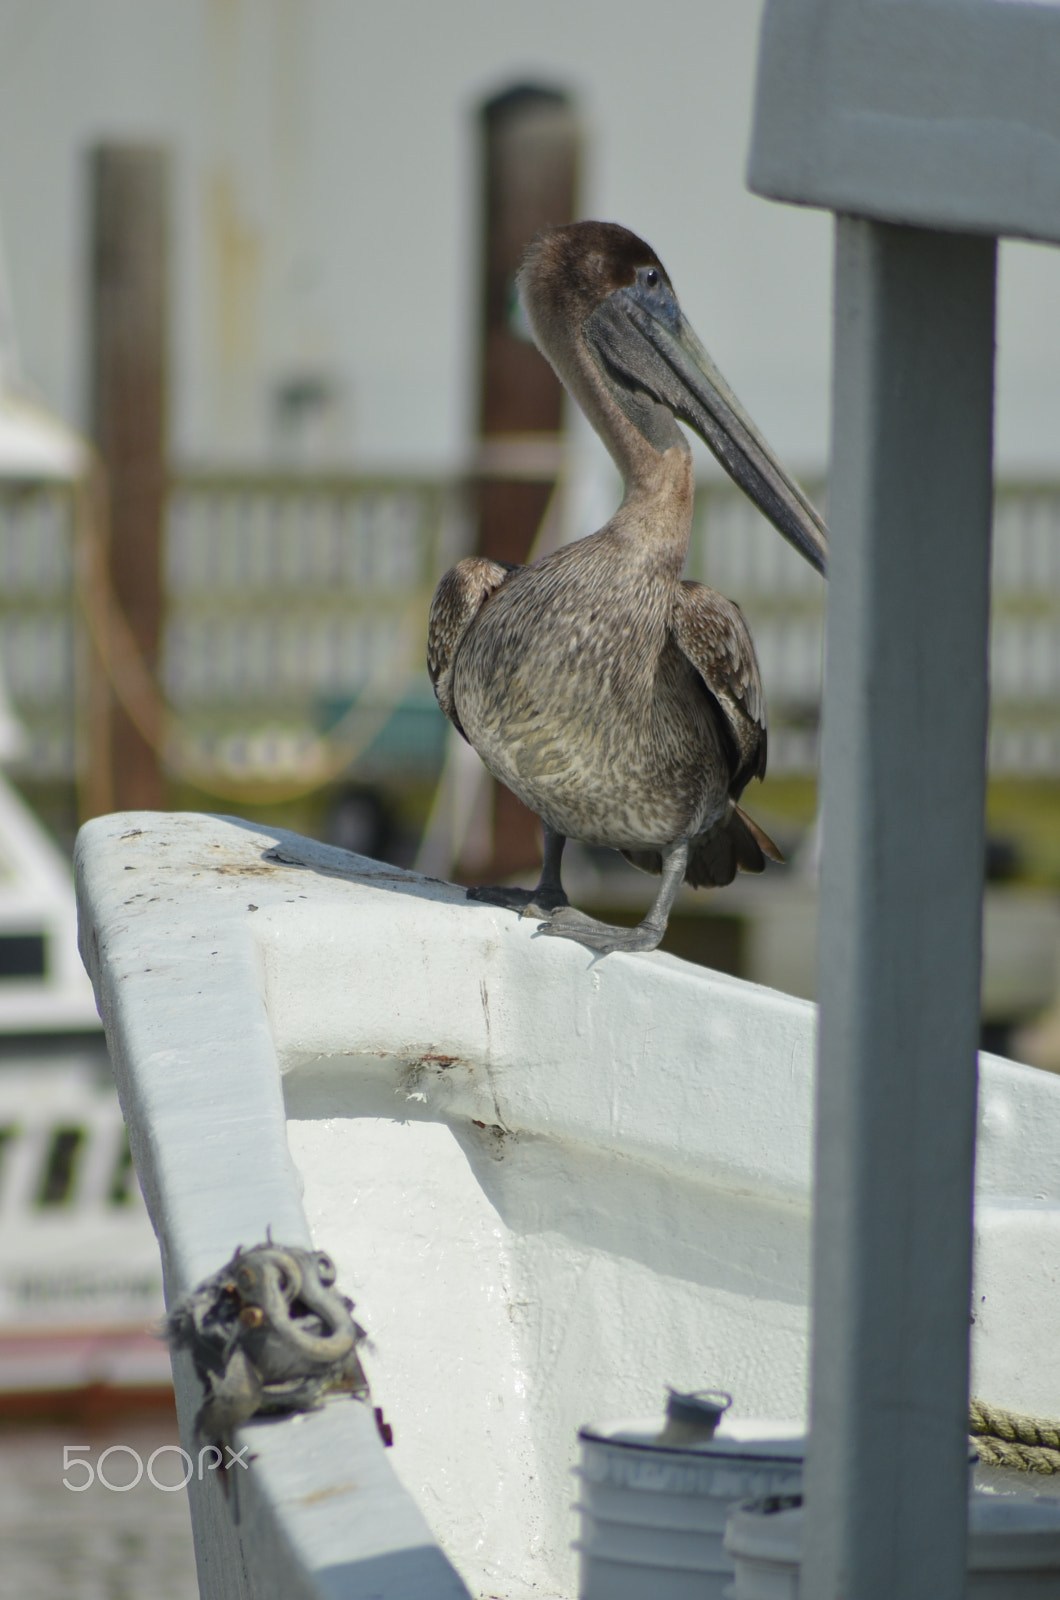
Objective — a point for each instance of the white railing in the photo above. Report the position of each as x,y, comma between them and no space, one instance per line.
737,551
291,600
297,607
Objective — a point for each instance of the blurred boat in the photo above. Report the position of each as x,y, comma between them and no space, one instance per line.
80,1282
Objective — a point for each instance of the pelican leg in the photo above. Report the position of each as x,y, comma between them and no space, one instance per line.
567,923
549,894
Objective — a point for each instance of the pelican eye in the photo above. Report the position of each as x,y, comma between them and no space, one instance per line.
651,277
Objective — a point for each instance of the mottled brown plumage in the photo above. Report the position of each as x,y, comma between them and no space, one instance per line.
622,704
457,601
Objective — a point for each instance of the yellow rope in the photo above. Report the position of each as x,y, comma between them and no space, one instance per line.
324,758
1012,1439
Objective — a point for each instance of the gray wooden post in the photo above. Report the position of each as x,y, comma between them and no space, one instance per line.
903,793
930,127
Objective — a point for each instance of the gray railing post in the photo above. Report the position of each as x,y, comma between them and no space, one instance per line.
931,128
903,792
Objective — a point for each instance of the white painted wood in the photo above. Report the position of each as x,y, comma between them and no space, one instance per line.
552,1183
940,113
193,1054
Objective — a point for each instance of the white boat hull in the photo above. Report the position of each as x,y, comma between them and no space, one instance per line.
552,1183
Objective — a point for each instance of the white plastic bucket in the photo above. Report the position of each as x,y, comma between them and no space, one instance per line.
763,1538
1013,1549
653,1516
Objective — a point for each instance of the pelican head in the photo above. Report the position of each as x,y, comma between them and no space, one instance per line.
603,311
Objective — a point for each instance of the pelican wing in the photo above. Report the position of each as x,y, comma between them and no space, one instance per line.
457,601
711,632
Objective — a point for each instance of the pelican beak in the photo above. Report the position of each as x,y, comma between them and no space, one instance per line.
647,344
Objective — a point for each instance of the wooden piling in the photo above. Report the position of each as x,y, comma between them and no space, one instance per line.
128,364
530,142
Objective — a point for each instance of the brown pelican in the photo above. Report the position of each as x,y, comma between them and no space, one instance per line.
622,704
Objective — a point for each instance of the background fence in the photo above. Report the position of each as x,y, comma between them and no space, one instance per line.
739,553
297,607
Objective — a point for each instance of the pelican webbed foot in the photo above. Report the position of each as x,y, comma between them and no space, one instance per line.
567,923
602,937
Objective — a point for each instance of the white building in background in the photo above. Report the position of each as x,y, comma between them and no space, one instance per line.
325,284
325,273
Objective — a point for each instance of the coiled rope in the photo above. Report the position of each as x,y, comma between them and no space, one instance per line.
1012,1439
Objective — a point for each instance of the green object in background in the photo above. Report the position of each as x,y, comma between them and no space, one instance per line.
411,741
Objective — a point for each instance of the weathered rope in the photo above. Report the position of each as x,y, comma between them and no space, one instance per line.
1011,1439
322,759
